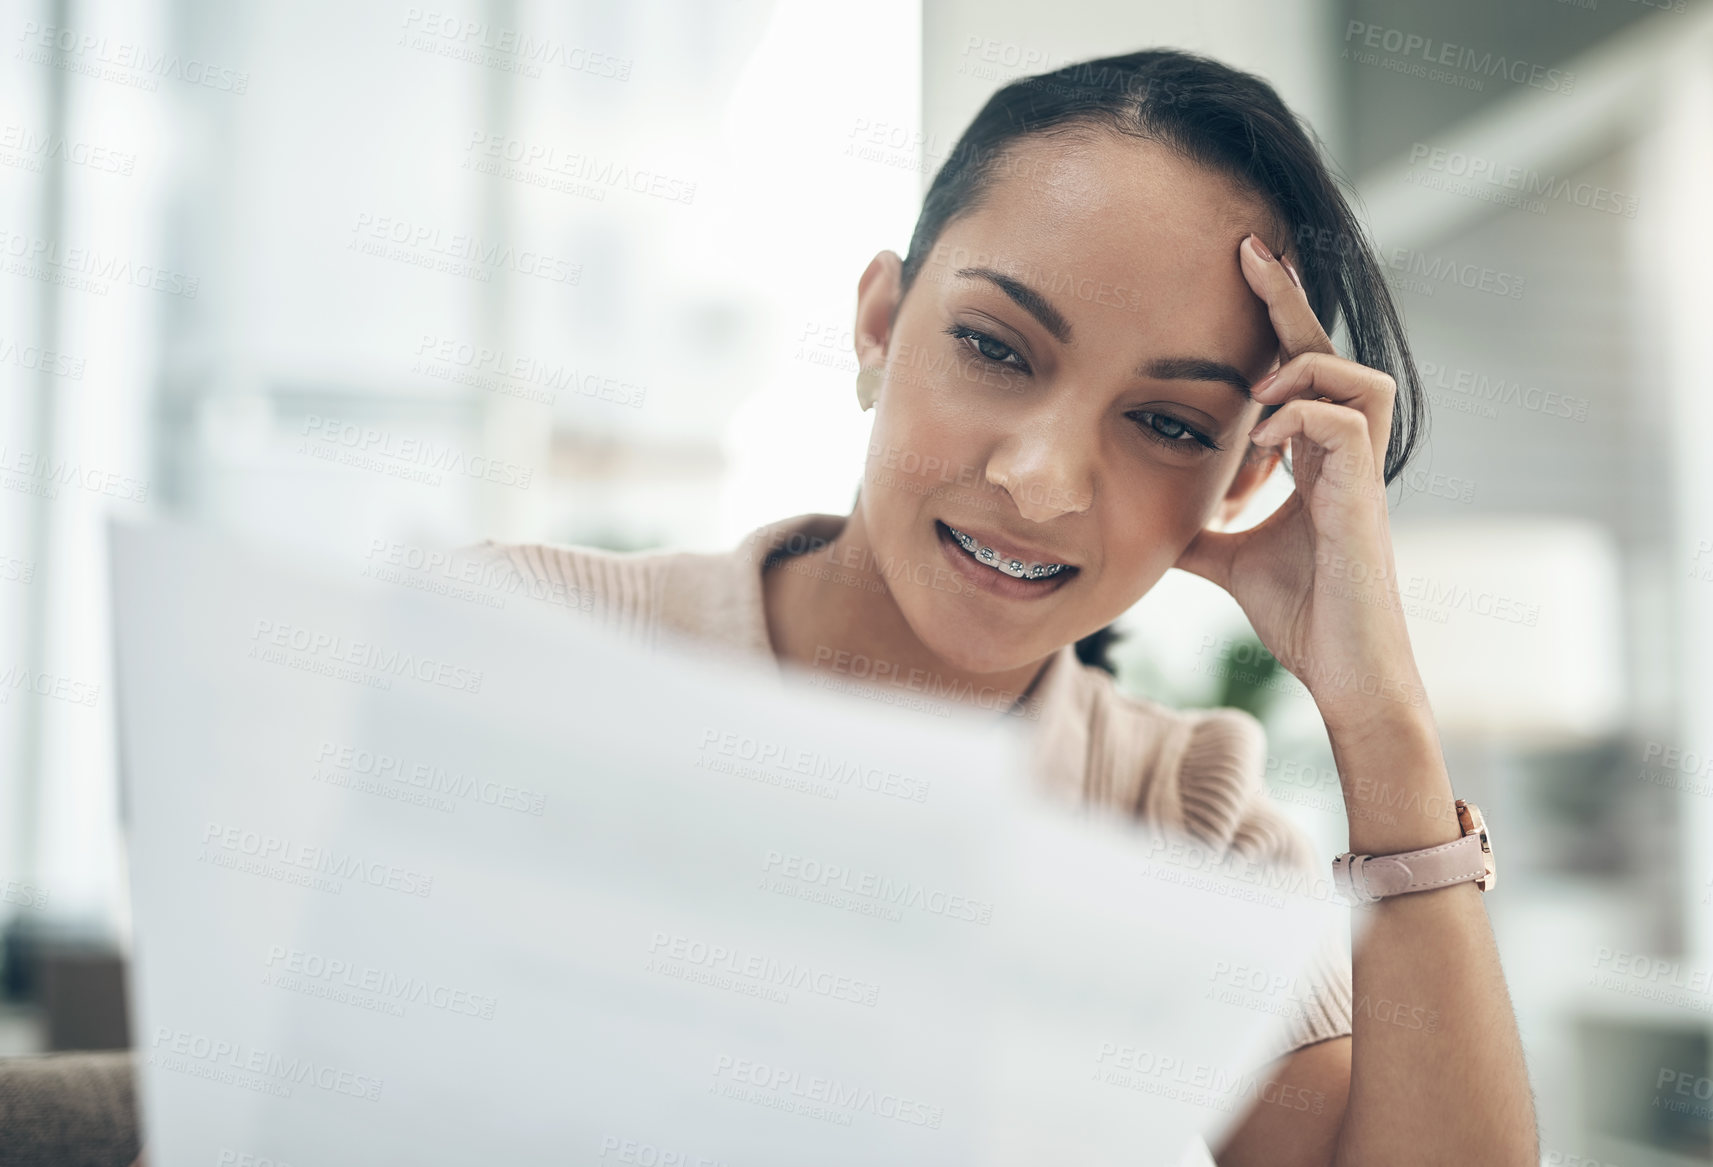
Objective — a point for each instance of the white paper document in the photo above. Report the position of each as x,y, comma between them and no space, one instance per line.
420,880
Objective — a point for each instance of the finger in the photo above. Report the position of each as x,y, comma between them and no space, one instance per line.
1294,322
1342,451
1344,382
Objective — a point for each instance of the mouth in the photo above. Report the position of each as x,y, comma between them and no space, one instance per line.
1007,571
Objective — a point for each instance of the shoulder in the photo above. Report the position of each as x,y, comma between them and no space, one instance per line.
621,591
617,586
1199,770
607,575
711,598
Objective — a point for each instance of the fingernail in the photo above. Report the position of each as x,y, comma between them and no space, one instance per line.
1261,248
1262,384
1292,272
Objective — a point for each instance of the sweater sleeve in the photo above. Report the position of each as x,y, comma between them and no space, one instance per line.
1224,797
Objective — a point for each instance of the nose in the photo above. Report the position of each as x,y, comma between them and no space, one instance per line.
1046,468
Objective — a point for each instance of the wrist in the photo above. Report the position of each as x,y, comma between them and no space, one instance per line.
1397,791
1354,702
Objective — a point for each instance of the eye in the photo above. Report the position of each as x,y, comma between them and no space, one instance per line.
988,348
1169,431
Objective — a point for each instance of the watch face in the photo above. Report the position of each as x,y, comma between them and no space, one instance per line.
1470,819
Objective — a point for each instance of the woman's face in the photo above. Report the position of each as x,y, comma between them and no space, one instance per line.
1065,384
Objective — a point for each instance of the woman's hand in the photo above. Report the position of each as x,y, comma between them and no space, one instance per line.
1316,579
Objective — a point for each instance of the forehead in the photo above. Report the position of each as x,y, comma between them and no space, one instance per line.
1071,215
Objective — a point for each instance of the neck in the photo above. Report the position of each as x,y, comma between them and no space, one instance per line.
831,612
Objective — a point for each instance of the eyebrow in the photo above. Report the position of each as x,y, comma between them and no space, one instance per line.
1196,369
1160,368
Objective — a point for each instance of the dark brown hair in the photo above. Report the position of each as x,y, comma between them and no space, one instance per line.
1232,122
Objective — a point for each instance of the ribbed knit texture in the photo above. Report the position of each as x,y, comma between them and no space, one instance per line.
1197,771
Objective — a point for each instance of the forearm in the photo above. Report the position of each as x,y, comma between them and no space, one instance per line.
1437,1070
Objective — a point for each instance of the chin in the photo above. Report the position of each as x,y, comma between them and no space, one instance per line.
964,641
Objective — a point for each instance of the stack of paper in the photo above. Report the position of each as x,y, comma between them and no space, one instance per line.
421,881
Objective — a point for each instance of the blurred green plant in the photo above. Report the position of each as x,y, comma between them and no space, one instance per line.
1249,676
1246,676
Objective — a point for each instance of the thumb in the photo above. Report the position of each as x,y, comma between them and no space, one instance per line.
1209,555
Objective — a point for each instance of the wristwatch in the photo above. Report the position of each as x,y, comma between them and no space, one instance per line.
1366,879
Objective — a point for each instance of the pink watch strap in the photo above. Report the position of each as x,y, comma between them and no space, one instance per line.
1366,879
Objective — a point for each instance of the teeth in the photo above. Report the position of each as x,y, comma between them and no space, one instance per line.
1012,567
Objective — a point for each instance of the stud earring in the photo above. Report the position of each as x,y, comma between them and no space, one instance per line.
868,386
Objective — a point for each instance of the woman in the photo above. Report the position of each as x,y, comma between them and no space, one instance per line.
1112,323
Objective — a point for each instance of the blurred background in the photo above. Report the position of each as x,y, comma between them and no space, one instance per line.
614,248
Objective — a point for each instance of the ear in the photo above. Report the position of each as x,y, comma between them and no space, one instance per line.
878,294
1256,468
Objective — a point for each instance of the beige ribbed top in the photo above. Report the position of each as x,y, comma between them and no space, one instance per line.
1198,771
